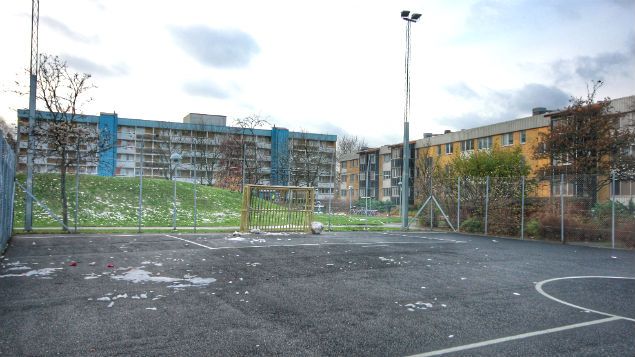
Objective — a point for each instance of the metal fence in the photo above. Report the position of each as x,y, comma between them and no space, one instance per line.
7,189
569,208
97,203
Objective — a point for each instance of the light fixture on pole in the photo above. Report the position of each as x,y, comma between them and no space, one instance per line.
176,160
405,177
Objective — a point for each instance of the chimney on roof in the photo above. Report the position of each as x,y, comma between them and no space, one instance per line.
447,131
539,110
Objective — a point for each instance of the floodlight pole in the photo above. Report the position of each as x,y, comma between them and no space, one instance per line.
409,18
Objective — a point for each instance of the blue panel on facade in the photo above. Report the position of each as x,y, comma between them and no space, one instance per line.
279,156
108,132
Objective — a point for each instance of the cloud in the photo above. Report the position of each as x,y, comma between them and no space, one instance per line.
87,66
598,67
508,105
66,31
205,89
461,90
215,47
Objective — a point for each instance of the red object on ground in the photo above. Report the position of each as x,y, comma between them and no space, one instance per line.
73,263
110,265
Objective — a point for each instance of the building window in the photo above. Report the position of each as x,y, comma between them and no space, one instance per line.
449,148
386,175
343,165
386,192
508,139
439,150
343,193
467,145
485,143
523,136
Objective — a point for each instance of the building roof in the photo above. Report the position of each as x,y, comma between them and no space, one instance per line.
535,121
84,118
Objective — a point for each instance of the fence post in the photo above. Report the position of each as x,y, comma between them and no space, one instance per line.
431,208
76,184
561,208
486,201
522,208
613,210
458,205
195,212
140,212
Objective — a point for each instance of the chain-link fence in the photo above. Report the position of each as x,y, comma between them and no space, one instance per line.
569,208
7,188
128,203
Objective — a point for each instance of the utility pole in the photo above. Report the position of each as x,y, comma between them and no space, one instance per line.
33,69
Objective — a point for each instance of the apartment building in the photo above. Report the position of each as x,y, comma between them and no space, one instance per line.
277,156
385,174
522,132
375,173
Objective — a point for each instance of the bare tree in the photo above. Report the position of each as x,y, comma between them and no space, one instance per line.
8,132
206,158
253,156
58,136
167,143
346,145
309,161
231,168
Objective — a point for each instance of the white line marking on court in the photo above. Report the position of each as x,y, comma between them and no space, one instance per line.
189,241
295,245
414,235
543,293
80,236
515,337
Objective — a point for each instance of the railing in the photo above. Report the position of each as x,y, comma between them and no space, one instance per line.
7,189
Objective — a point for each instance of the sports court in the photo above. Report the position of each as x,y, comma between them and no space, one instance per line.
334,294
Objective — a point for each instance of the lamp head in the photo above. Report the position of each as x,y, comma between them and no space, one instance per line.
176,157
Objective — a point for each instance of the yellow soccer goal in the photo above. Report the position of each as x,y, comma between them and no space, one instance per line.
277,208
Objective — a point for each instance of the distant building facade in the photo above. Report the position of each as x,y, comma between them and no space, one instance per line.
276,156
381,167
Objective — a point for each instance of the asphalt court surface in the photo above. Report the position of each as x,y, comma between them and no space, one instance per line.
345,293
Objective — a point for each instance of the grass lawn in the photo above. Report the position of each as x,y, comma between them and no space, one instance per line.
113,202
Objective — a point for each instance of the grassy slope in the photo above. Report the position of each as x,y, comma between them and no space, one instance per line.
113,202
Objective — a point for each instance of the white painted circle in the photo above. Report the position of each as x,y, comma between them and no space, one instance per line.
543,293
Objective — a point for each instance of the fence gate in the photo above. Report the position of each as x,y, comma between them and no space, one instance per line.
277,208
7,188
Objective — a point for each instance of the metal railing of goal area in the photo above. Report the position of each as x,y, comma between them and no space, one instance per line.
7,189
277,208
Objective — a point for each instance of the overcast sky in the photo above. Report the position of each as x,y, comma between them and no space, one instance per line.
333,67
